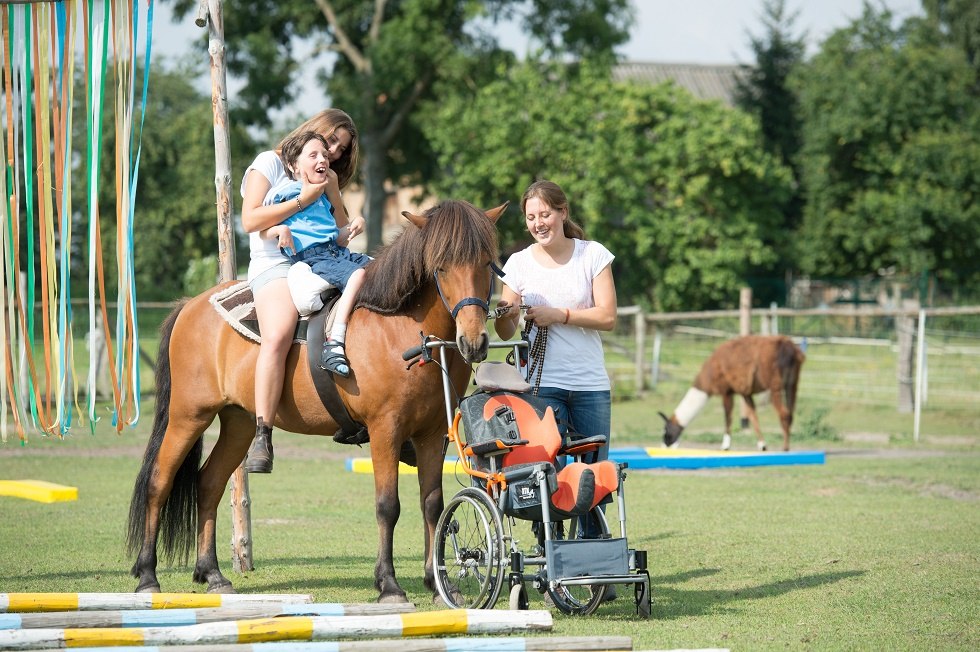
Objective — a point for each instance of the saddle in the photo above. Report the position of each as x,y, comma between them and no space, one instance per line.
236,305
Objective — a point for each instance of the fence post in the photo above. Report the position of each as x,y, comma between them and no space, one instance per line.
639,327
658,339
904,330
745,328
920,372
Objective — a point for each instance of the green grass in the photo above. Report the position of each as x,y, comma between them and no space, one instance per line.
872,550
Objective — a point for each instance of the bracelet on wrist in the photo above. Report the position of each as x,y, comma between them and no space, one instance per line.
299,204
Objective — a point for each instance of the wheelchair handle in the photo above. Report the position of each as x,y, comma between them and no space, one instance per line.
413,352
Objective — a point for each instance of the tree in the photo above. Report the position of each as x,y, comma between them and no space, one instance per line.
891,154
390,55
680,190
958,23
764,91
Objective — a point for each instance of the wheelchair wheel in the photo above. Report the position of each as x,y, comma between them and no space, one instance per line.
642,592
469,551
518,598
579,599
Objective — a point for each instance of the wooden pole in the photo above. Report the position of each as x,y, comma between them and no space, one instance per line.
287,628
640,331
905,332
745,328
210,14
920,371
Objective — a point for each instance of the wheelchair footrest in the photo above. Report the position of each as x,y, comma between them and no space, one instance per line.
581,557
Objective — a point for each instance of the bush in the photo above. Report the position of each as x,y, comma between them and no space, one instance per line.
814,426
201,274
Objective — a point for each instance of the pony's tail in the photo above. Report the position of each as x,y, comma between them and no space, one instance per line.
789,360
178,516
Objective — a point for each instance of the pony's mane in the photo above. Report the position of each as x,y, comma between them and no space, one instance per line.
457,233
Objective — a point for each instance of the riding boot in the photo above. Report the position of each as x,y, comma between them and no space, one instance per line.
260,456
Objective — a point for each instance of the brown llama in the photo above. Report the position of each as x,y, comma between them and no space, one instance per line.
745,366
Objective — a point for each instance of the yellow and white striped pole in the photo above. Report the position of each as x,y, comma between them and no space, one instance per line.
294,628
168,617
33,602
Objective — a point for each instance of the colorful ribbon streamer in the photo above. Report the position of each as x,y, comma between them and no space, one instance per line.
38,383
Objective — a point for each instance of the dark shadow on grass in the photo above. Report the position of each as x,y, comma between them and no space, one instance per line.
670,603
674,603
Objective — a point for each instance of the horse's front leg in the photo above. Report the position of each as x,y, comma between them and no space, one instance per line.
387,509
227,454
430,457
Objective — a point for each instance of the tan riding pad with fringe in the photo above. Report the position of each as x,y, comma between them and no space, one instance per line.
236,305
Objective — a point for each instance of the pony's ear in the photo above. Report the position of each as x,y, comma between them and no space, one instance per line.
663,416
495,213
417,220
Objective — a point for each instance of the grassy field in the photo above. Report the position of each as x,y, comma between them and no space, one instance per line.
876,549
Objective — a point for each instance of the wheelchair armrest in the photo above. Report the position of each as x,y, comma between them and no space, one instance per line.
493,447
580,445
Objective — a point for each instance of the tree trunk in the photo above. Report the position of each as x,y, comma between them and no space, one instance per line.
375,195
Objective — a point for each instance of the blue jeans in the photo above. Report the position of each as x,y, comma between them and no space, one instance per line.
587,413
331,262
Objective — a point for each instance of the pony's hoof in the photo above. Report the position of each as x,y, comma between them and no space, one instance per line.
393,598
225,587
149,588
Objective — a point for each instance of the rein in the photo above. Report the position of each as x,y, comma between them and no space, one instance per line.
536,354
468,301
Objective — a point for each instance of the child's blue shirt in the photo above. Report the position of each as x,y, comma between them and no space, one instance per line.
315,224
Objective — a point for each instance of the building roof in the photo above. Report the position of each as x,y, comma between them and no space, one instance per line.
704,81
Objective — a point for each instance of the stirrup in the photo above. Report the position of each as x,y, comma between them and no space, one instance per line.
334,360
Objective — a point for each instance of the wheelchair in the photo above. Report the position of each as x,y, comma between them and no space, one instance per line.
519,521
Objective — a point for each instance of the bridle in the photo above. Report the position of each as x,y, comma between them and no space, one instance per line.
470,301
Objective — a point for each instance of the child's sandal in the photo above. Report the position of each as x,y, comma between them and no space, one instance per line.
334,360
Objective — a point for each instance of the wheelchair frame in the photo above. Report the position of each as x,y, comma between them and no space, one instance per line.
475,536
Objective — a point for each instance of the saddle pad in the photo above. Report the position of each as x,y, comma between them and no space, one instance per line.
236,305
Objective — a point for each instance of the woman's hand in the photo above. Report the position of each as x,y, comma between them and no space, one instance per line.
544,316
507,309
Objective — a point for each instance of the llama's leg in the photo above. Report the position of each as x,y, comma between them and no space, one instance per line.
754,420
785,415
727,402
228,452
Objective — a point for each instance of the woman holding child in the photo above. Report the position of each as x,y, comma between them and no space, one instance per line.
269,266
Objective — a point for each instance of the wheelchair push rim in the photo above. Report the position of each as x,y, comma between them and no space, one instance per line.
469,552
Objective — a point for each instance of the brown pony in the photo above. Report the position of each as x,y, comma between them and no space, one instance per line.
744,366
435,279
